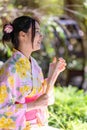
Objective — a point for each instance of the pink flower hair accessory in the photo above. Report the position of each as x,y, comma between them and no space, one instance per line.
8,28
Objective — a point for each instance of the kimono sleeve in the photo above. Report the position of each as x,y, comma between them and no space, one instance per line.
44,85
41,78
11,114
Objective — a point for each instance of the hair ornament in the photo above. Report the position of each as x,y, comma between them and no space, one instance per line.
8,28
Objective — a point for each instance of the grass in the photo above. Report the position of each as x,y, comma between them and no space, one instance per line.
69,111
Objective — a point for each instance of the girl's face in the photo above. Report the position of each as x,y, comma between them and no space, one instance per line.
26,39
38,38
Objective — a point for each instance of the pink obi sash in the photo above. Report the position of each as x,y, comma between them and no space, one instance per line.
31,114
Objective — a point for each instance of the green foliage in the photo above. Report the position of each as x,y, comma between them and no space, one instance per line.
45,6
70,109
5,52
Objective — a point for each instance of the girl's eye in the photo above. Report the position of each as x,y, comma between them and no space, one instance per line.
38,32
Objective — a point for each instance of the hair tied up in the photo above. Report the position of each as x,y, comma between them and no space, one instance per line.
8,28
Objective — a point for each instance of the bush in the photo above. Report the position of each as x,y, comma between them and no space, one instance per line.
70,109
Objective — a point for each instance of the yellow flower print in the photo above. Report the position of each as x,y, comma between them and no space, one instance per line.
44,85
11,81
24,89
28,127
7,123
3,93
18,106
22,66
8,113
40,89
1,71
32,93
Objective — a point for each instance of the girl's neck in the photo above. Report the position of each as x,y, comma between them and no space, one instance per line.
25,51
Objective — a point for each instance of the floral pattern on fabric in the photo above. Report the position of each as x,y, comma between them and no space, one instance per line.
3,93
20,83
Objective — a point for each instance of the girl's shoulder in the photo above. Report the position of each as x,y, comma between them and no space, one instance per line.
7,67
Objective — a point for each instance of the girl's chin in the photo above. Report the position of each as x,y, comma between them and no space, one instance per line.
36,49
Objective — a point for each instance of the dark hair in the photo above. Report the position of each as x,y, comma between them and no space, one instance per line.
22,23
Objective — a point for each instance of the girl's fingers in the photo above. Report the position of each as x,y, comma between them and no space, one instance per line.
54,60
61,68
61,59
62,63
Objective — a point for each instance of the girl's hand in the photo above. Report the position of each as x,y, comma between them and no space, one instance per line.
41,101
38,103
61,66
56,67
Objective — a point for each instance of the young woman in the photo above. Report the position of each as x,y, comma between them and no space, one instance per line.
23,98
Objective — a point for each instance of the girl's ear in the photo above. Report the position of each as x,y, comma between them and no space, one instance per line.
22,34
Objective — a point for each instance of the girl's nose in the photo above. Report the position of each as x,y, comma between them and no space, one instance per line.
41,36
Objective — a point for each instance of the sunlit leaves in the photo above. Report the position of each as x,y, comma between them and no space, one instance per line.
70,109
